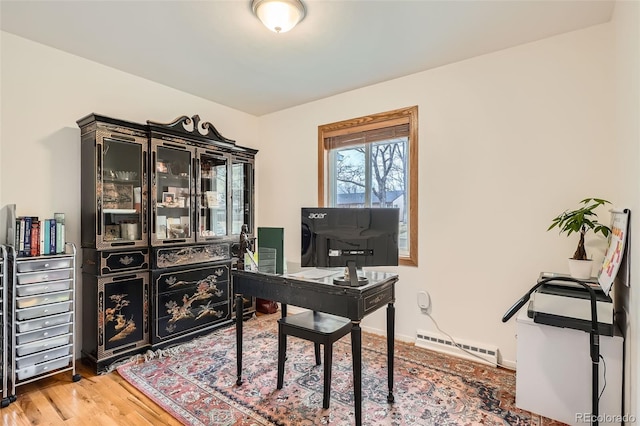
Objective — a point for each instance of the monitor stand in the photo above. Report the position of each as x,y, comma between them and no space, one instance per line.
353,279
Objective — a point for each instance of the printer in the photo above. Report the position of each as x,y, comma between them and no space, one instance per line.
568,304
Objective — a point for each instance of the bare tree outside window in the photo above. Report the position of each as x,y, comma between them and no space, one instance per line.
368,165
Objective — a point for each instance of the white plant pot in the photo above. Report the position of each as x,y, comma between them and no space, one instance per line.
580,269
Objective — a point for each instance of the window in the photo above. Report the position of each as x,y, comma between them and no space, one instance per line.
372,161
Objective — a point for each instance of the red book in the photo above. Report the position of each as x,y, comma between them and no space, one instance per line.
35,238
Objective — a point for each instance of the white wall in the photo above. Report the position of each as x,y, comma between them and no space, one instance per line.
507,141
626,156
44,92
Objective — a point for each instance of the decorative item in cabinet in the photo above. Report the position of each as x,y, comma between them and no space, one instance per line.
42,301
118,327
189,301
3,327
114,173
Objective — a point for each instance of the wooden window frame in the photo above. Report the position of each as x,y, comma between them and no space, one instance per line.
370,122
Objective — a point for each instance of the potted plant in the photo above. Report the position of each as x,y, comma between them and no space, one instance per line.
581,220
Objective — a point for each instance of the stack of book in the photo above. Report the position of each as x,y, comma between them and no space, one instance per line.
35,237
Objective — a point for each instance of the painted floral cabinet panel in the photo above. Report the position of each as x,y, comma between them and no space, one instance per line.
189,301
122,304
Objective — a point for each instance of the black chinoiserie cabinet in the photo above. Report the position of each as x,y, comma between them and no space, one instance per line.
163,206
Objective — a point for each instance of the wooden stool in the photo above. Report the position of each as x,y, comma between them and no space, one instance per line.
319,328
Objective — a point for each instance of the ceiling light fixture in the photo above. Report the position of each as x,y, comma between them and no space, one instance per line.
279,15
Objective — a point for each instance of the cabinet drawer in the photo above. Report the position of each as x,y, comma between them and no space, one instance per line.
204,316
41,345
43,299
44,264
43,356
40,311
49,321
45,367
47,287
169,257
43,333
42,276
209,276
115,262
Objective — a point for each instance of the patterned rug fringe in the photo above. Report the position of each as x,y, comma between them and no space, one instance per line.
169,351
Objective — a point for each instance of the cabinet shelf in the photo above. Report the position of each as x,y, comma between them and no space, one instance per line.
171,176
172,208
123,181
120,211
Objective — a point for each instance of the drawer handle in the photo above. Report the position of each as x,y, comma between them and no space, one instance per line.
46,357
45,334
45,368
45,311
45,276
46,265
46,323
46,287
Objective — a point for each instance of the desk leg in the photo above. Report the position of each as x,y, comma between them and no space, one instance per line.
356,353
239,309
391,313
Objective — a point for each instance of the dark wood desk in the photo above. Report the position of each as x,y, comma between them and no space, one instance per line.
324,296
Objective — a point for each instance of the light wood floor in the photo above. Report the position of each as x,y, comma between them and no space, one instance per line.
95,400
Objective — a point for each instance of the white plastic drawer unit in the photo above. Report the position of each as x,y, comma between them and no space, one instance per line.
43,333
45,367
44,356
42,310
44,264
43,299
43,276
46,287
41,345
38,323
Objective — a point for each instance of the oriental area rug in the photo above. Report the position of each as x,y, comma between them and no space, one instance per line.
196,383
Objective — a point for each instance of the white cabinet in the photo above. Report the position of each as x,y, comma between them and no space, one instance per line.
553,373
42,318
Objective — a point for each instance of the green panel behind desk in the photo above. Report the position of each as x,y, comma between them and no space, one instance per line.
273,238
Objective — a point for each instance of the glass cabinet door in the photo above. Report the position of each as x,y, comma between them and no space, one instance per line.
212,196
172,194
241,195
122,187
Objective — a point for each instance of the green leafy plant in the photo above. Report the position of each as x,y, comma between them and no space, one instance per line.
581,221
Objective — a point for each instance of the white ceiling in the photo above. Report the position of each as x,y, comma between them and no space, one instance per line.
218,50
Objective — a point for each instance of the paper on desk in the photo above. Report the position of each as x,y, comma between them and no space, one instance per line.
315,273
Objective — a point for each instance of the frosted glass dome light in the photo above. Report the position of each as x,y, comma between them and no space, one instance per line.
279,15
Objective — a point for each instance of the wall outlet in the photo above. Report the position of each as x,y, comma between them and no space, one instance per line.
424,302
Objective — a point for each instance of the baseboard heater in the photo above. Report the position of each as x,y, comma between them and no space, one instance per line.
438,343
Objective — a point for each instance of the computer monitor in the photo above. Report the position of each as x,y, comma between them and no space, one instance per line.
349,237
